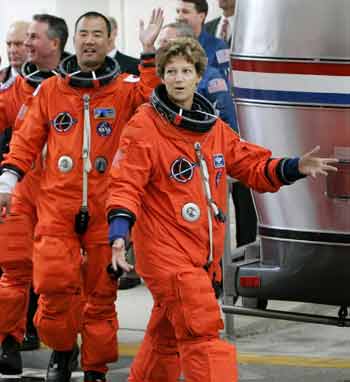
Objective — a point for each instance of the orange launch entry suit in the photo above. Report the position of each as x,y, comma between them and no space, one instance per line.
156,176
61,273
16,233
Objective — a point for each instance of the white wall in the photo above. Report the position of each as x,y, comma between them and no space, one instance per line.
127,13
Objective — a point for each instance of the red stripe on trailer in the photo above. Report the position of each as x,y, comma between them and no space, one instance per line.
311,68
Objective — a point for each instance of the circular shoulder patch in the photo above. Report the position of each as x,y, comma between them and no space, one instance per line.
182,170
63,122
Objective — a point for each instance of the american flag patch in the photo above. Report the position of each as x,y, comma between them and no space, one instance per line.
223,55
217,85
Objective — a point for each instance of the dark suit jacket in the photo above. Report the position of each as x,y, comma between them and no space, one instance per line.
211,27
127,64
5,74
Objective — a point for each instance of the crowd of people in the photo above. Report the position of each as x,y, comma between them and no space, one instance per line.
100,149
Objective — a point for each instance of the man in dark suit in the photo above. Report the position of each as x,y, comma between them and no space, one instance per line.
246,219
194,13
222,26
16,51
127,63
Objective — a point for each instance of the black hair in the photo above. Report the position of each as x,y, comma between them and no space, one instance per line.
200,5
93,14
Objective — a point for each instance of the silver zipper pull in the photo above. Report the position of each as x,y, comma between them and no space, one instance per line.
86,99
87,128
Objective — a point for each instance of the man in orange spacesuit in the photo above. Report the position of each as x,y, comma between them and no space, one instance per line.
80,115
169,176
45,42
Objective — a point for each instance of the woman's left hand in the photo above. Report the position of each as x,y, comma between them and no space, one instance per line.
309,164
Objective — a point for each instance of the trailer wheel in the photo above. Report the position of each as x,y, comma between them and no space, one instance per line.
254,303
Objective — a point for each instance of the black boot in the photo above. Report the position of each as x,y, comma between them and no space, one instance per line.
31,339
94,376
30,342
61,365
10,359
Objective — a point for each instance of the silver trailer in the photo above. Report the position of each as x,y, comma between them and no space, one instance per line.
291,83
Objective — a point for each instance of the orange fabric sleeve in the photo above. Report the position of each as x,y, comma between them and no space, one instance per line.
251,164
132,166
148,81
7,109
28,141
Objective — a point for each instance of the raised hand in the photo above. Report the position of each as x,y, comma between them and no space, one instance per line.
149,34
309,164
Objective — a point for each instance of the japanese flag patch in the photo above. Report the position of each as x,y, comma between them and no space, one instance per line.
219,160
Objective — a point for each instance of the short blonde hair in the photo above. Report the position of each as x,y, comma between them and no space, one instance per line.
187,47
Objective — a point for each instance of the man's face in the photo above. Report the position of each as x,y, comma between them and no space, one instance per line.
91,42
181,80
16,51
38,45
226,4
165,35
186,12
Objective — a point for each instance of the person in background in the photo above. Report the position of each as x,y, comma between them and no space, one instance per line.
213,85
80,115
168,184
223,26
194,12
16,51
127,63
246,219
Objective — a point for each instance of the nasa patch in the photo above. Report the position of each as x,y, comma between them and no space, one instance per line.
104,129
219,160
63,122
